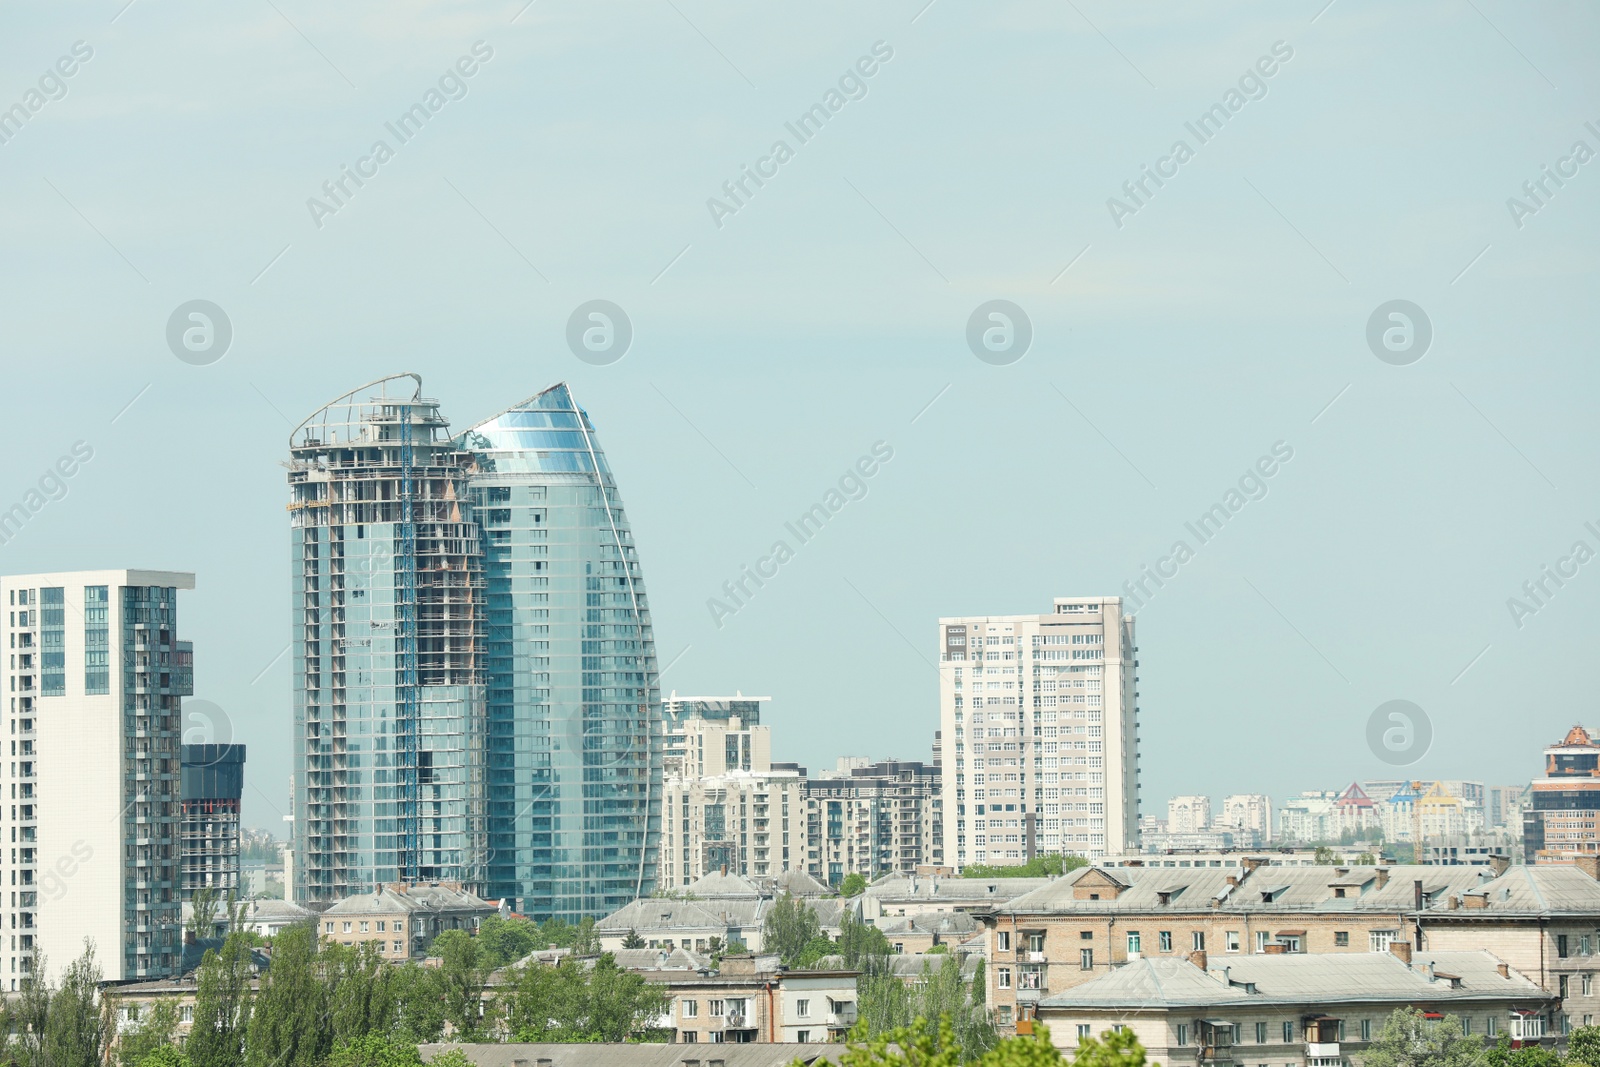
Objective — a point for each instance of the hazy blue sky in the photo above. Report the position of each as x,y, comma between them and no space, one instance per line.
1223,316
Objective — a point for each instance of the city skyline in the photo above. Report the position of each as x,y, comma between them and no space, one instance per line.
1171,349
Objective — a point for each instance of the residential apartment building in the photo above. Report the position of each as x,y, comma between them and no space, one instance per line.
724,806
752,1000
873,819
402,920
1249,813
1541,920
1308,816
213,786
1299,1012
474,660
1562,815
95,678
1188,815
1038,719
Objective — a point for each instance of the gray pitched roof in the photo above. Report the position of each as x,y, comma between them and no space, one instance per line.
664,913
1552,889
1354,977
908,889
420,898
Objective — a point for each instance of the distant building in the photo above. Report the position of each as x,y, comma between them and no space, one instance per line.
213,784
1038,733
402,920
94,685
873,819
1308,817
1248,812
1188,815
1354,813
1562,818
725,807
1503,807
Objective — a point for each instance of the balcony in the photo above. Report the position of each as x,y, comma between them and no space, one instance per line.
1032,995
1322,1050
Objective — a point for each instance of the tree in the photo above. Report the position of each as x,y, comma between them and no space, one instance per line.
853,885
1324,856
633,940
157,1029
462,976
942,1007
360,990
1583,1046
223,1000
789,928
925,1045
863,946
203,913
1042,866
80,1025
374,1050
286,1026
418,1003
1410,1039
506,941
450,1057
819,947
573,1002
1503,1055
165,1056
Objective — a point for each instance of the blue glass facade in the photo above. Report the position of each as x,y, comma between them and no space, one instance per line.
573,710
475,669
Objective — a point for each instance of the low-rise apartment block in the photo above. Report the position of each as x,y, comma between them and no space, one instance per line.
1298,1011
402,920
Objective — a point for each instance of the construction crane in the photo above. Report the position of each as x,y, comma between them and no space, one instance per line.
1416,823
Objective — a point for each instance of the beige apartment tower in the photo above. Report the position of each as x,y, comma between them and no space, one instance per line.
1038,716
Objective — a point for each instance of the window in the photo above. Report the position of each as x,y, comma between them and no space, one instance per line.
1197,941
802,1036
346,928
1288,1032
1083,1031
1262,937
715,1006
1561,986
1341,938
1561,946
1086,958
1261,1033
1133,942
1586,983
1086,935
1002,940
802,1008
397,947
1491,1026
691,1008
1231,941
1036,942
1166,945
1380,940
1004,1012
1003,977
1466,1025
96,644
1183,1034
364,926
1366,1029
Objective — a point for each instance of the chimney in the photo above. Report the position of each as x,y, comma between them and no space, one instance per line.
1250,863
1382,874
1589,865
1430,971
1418,896
1401,950
1500,864
1505,971
1452,902
1341,871
1233,879
1198,958
1475,900
1276,948
724,868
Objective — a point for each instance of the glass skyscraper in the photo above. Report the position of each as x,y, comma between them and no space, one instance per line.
475,671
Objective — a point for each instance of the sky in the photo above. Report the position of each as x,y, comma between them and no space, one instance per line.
1358,153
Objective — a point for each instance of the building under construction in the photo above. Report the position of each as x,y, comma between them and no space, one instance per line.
474,666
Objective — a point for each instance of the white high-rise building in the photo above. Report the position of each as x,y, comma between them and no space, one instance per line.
1038,716
1188,815
1248,811
95,675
